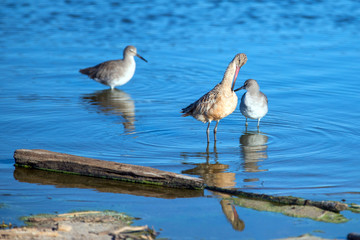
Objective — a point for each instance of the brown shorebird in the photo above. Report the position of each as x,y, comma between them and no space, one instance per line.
115,72
254,103
220,101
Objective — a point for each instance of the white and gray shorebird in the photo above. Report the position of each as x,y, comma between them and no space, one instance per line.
115,72
254,103
221,101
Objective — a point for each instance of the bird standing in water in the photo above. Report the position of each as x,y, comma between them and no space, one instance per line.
220,101
254,103
115,72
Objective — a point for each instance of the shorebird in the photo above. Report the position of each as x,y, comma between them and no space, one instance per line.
254,103
220,101
115,72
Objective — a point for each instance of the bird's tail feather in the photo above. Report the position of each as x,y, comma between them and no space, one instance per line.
187,111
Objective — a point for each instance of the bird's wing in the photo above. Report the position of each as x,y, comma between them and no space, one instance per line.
203,104
106,70
102,71
265,97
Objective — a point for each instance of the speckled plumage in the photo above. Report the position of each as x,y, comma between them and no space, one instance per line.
221,100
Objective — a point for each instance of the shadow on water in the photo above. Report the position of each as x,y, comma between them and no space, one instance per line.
214,174
101,185
253,146
114,102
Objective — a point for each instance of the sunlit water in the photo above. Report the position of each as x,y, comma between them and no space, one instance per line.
305,56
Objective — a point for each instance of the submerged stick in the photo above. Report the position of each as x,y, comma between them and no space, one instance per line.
66,163
286,200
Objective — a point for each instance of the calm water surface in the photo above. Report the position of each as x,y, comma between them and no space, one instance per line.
304,54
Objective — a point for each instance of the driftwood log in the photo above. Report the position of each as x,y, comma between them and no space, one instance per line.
66,163
57,179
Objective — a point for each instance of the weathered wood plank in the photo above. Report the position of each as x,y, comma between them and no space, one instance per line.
61,162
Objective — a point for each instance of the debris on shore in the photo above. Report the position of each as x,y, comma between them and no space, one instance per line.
96,225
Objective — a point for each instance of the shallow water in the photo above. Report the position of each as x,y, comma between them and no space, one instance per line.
304,54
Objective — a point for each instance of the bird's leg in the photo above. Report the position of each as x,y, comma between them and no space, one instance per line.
258,123
207,133
215,130
246,123
207,150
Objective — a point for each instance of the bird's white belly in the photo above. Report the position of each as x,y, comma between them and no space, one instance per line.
253,108
125,76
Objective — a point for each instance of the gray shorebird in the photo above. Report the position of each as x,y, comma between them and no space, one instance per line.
220,101
254,103
115,72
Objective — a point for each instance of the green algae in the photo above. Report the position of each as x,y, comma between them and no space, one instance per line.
355,208
117,216
298,211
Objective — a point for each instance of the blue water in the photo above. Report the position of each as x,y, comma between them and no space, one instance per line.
304,54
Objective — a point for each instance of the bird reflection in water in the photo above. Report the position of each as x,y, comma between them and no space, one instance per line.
253,146
114,102
215,174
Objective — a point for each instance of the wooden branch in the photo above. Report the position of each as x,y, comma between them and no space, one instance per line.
66,163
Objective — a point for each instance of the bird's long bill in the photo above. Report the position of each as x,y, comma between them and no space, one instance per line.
239,89
235,77
141,57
